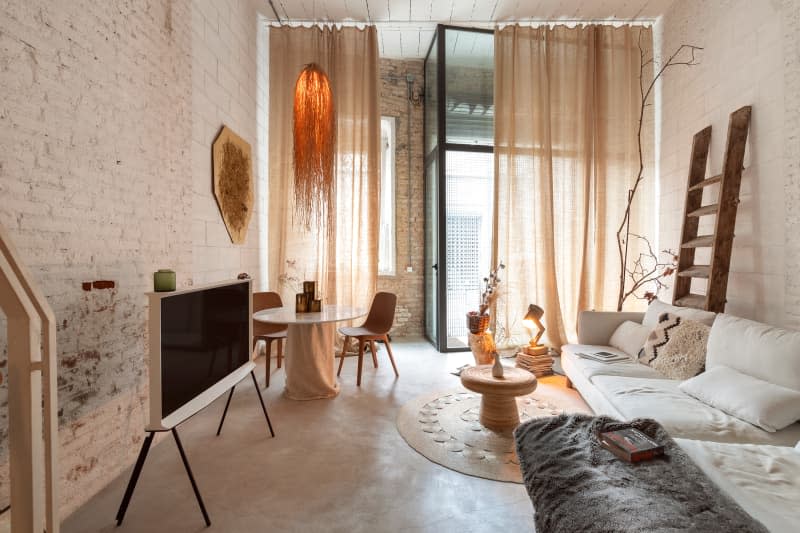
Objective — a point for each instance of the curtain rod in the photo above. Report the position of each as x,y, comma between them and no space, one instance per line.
400,23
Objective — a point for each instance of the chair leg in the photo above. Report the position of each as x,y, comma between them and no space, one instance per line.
268,354
361,343
389,351
344,352
374,353
280,352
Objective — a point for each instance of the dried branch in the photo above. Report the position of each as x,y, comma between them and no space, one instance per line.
623,232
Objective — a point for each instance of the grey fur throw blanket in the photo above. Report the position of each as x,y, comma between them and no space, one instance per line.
578,486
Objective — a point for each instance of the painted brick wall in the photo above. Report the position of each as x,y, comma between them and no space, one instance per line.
407,285
747,49
224,91
107,112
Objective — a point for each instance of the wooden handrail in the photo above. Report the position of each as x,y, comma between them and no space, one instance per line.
24,303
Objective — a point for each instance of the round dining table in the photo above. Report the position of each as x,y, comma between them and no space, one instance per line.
310,348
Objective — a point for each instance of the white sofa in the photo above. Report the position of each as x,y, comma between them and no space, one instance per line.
628,389
759,469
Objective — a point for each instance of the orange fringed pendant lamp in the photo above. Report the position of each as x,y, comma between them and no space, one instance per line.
314,149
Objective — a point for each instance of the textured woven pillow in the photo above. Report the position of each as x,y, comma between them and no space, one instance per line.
684,355
659,337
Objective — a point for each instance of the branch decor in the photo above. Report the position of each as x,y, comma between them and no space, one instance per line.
647,268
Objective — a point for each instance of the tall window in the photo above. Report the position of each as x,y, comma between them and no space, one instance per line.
386,243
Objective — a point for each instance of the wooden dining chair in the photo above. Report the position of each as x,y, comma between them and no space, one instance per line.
268,332
375,328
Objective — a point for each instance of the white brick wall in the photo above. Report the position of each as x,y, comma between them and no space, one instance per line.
225,90
742,63
107,114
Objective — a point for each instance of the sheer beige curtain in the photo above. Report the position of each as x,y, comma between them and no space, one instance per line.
566,112
345,265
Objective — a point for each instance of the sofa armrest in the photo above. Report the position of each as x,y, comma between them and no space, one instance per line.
596,327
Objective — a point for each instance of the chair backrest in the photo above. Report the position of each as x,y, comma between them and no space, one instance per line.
266,300
381,313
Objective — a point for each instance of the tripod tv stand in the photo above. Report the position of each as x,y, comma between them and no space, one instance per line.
200,347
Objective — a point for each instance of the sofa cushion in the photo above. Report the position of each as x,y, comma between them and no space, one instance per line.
765,352
630,338
684,356
658,308
763,404
589,368
682,415
659,337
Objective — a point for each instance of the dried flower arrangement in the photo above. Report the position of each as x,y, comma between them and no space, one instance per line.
478,322
291,277
489,295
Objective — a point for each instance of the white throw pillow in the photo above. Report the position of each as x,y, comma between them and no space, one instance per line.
755,349
766,405
658,308
629,337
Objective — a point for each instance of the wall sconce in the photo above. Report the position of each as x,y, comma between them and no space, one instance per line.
314,148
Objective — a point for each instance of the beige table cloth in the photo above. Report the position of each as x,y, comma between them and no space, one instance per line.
310,348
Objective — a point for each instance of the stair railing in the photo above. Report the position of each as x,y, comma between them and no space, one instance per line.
31,386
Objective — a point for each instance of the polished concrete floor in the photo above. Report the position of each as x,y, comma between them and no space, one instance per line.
334,465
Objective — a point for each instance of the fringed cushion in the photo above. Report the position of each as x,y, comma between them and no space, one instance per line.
684,355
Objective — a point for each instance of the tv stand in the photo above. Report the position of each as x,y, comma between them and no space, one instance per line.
148,441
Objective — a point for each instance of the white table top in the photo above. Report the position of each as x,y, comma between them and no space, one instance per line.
330,313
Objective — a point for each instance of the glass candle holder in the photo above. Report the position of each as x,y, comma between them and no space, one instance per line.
309,287
316,306
164,280
300,302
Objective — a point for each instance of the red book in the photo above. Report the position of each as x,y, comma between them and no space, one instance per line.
630,444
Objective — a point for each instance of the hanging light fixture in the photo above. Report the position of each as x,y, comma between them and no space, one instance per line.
314,144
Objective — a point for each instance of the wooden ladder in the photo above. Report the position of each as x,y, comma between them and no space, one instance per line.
721,241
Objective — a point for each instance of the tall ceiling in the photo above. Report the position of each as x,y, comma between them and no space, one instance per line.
406,27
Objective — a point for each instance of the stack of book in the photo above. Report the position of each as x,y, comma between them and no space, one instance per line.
536,360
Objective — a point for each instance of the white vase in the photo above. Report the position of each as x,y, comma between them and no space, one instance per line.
497,368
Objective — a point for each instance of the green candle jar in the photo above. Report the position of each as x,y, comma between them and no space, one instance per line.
164,280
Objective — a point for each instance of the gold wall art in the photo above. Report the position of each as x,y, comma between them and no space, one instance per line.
233,182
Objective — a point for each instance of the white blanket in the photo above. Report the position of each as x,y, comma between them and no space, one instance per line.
764,480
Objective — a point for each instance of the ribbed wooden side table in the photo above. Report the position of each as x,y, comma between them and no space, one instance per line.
498,395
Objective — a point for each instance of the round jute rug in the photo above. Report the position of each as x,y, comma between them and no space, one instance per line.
444,427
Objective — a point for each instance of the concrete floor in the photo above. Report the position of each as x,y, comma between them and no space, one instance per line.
334,465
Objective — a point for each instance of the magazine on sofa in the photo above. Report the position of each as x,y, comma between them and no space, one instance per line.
606,357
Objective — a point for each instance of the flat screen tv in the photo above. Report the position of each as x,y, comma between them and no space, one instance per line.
200,346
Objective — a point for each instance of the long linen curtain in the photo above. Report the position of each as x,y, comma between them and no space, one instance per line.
567,104
345,264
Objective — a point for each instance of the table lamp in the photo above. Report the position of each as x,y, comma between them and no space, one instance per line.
533,320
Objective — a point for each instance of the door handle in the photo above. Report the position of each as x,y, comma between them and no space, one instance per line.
435,267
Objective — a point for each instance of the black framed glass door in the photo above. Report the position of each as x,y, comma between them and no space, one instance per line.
459,176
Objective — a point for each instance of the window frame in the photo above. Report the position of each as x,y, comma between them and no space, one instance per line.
388,185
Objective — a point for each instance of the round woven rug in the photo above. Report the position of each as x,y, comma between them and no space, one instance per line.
444,428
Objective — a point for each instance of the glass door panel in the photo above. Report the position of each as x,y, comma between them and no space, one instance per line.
468,207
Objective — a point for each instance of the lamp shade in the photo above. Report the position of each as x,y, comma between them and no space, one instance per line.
314,148
535,313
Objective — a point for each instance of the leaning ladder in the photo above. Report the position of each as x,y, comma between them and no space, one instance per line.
721,241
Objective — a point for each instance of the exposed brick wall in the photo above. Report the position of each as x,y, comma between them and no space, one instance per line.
107,113
407,285
750,56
